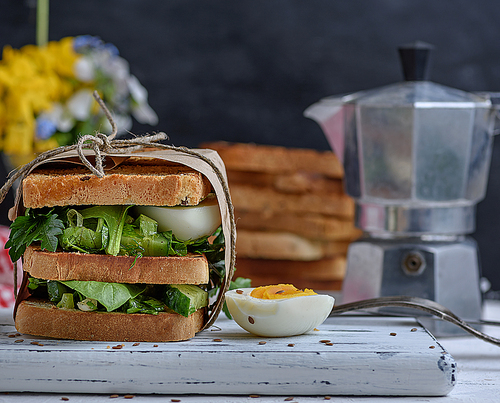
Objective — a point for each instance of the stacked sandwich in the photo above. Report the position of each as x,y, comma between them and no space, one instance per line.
294,220
123,257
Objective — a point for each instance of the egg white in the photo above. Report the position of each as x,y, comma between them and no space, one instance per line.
189,222
278,317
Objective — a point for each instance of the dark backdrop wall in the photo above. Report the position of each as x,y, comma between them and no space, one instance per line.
244,71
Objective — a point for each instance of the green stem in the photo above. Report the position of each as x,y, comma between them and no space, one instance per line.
42,22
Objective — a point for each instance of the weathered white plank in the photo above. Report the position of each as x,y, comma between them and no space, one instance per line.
365,359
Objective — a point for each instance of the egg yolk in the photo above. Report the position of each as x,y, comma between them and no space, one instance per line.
279,291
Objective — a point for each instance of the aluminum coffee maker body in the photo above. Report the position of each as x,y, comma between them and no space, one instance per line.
416,157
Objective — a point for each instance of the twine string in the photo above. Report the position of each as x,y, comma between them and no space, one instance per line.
96,144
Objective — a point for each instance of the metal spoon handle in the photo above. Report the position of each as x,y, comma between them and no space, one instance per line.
422,304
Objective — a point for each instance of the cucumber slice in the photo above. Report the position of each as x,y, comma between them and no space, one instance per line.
66,301
185,299
56,290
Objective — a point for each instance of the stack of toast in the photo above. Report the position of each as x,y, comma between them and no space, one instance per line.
294,220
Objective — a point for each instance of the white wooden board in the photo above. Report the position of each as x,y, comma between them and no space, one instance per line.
368,356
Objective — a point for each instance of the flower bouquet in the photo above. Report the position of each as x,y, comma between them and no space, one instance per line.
46,95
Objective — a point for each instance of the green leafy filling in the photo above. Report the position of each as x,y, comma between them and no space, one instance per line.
111,230
101,229
110,297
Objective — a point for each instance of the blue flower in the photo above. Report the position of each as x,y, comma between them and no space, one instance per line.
112,49
89,43
45,128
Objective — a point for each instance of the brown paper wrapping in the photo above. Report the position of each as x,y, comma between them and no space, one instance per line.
207,162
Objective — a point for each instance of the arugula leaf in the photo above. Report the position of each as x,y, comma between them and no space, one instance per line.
85,239
56,290
111,295
115,217
48,232
218,247
34,283
177,247
34,226
214,251
141,304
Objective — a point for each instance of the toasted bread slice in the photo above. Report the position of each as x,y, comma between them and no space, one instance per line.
324,274
308,225
41,318
190,269
163,185
285,246
267,200
293,182
275,159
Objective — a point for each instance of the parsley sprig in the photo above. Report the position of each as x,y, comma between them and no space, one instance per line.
39,225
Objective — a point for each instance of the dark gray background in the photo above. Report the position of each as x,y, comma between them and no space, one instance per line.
245,70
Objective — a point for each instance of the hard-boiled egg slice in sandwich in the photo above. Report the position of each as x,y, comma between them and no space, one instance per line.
190,222
278,311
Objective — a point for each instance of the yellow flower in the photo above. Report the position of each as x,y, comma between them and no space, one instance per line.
20,126
41,94
63,57
45,145
32,79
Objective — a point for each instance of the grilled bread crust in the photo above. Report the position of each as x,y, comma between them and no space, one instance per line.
251,198
41,318
308,225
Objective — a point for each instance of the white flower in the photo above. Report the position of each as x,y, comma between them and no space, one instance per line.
65,122
117,68
137,91
84,69
122,92
80,104
123,124
60,116
145,114
140,107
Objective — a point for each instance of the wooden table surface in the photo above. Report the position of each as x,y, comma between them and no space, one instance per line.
477,372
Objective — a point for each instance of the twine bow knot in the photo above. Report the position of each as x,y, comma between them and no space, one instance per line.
97,142
100,143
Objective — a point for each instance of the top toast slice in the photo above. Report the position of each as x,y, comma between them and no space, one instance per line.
161,185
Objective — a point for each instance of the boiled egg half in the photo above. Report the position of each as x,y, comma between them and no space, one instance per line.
279,310
186,222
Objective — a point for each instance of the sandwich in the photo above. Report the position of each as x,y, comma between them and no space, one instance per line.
131,256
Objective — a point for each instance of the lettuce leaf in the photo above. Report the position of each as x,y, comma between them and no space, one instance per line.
83,239
111,295
115,217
